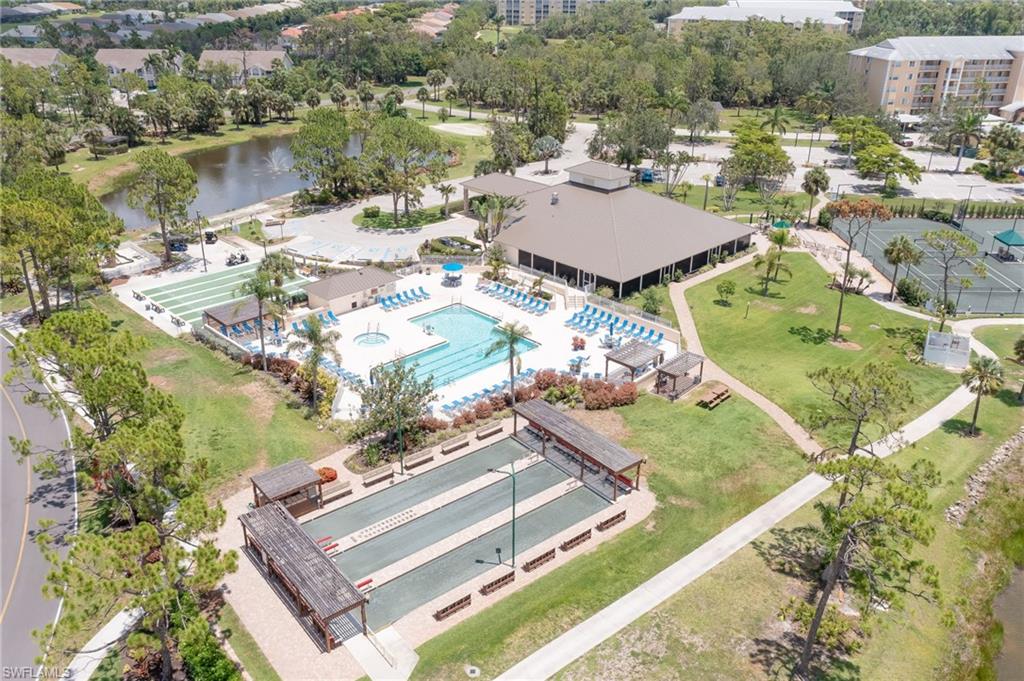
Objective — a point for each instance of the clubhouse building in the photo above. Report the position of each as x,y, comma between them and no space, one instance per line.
596,230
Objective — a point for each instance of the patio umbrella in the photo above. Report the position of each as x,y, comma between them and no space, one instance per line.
1010,237
782,224
452,267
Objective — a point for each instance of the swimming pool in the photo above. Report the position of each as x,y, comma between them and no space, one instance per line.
467,334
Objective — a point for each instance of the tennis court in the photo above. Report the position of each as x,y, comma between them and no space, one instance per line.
187,299
1000,291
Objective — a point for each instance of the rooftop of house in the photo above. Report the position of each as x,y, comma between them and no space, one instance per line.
945,47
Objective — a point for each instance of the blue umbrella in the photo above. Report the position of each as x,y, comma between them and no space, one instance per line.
452,267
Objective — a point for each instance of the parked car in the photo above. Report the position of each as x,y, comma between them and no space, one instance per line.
719,181
177,244
906,142
210,237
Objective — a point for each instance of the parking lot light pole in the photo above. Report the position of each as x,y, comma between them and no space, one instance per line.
847,184
512,475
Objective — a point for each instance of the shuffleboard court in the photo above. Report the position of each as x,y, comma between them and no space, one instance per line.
392,500
362,560
404,594
187,299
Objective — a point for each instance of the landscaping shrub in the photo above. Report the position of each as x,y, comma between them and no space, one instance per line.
499,402
625,394
526,393
545,378
483,409
936,215
205,660
825,218
371,211
327,474
432,424
911,292
468,416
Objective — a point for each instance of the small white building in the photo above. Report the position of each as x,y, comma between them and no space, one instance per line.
350,290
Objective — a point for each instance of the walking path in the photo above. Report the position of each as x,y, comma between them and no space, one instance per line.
688,331
590,633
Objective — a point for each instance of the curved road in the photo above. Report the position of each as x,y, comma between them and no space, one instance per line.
25,499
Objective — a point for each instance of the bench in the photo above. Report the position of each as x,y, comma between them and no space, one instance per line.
489,430
715,398
378,474
335,488
535,563
452,608
420,457
138,296
490,587
458,442
614,520
575,541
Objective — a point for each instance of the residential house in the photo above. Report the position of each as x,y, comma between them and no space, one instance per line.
247,63
122,60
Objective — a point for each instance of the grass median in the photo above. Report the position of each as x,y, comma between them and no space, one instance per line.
707,468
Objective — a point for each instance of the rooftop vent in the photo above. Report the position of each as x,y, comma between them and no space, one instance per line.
554,198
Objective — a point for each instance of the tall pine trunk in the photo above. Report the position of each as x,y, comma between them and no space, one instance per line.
833,570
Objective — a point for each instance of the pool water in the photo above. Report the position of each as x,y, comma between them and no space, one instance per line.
467,334
372,338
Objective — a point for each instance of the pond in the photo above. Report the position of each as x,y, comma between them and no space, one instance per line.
230,177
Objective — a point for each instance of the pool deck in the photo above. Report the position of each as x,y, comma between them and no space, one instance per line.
296,655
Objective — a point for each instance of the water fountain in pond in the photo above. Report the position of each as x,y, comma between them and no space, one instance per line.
277,161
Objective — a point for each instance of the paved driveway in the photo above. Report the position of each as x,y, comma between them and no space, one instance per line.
25,499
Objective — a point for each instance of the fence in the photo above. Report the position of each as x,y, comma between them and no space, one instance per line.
628,310
442,259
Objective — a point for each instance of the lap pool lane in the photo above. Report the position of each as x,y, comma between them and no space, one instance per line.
404,594
392,546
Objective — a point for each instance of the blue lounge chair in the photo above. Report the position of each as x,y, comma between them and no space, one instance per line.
660,337
323,319
543,307
639,332
630,330
330,313
589,310
623,324
223,330
649,336
235,330
295,327
573,319
386,304
248,328
424,293
395,302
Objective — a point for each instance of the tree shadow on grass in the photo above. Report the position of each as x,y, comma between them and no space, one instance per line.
791,552
778,657
759,292
811,336
722,303
1011,398
959,427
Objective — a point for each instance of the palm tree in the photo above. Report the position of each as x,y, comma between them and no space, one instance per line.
900,251
771,262
497,210
279,266
675,104
338,96
776,121
499,19
268,296
364,92
321,343
984,376
966,128
423,94
446,190
815,182
780,239
546,147
435,79
510,336
1018,354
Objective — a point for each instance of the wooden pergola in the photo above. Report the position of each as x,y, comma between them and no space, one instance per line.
315,583
583,442
678,367
290,483
634,355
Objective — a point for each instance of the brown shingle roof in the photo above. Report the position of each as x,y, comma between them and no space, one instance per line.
601,171
123,58
34,57
285,479
502,185
612,456
618,235
352,281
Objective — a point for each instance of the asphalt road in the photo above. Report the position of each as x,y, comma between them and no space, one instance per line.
25,499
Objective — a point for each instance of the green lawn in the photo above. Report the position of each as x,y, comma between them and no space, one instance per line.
725,624
245,647
237,418
667,310
1000,340
416,218
747,200
490,36
708,469
787,334
110,172
798,120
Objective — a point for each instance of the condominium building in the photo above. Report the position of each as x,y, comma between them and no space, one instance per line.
832,15
529,12
915,75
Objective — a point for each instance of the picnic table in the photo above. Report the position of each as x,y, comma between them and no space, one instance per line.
715,397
